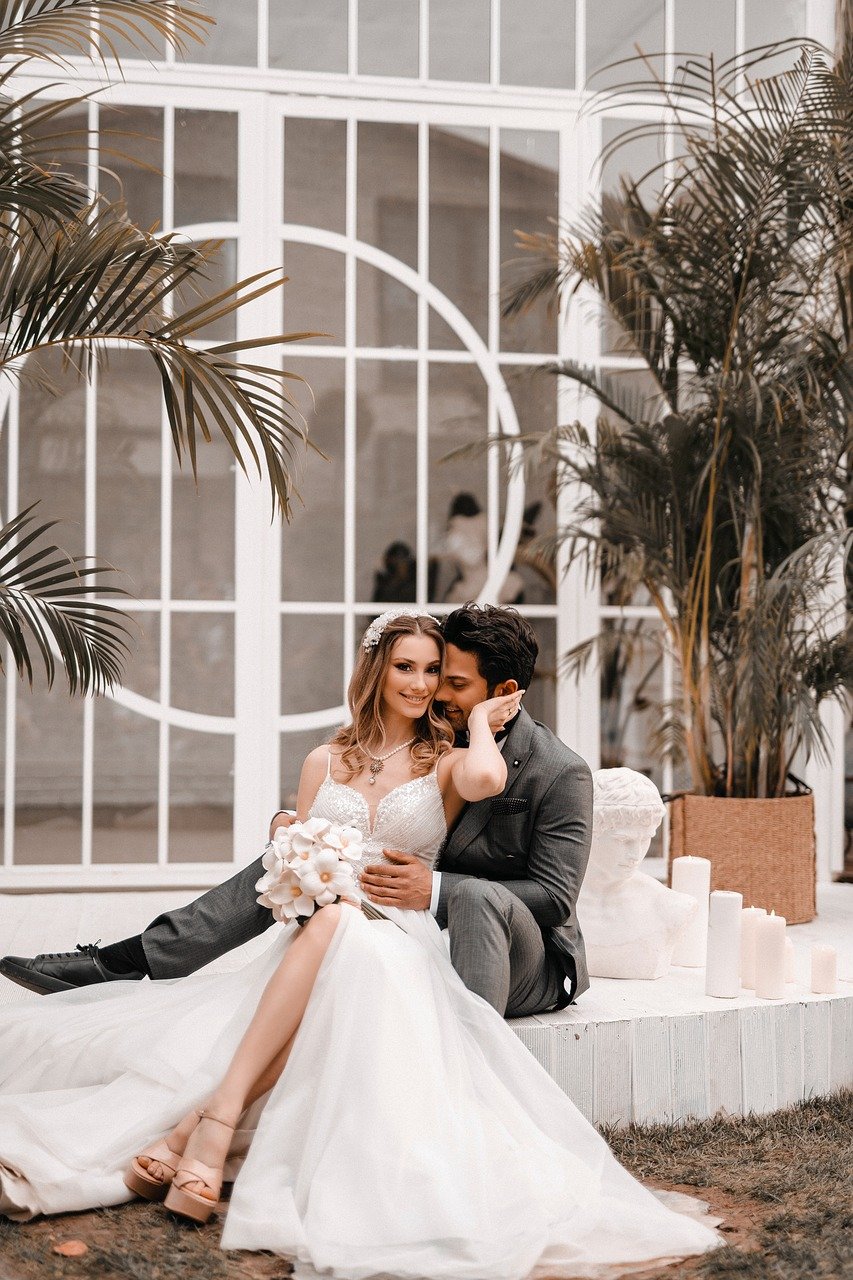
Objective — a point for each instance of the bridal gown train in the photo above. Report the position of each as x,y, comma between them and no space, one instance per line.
411,1133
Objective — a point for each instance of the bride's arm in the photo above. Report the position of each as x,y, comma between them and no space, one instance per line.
480,771
310,780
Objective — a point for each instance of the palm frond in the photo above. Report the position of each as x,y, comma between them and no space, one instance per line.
57,29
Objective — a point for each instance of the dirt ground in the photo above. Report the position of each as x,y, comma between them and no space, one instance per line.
783,1185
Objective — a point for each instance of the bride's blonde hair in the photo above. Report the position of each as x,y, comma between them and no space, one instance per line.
433,734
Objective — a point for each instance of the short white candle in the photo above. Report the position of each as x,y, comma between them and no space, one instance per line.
692,876
722,970
824,970
789,960
747,945
770,957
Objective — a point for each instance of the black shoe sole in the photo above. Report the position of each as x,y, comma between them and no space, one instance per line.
40,983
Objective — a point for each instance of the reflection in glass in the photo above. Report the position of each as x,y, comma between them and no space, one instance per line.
315,157
386,310
312,663
48,776
529,181
386,481
205,166
294,748
201,786
459,39
128,459
125,786
533,578
303,38
538,43
619,26
203,663
459,227
458,488
203,524
313,298
540,701
388,38
234,39
388,188
312,559
704,28
131,160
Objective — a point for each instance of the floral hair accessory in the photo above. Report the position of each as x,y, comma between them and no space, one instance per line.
374,631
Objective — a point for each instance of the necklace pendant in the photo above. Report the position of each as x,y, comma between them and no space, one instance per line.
375,767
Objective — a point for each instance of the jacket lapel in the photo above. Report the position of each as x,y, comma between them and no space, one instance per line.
517,745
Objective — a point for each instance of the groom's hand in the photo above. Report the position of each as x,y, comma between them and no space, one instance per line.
407,884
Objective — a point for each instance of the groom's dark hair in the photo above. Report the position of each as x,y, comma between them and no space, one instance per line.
503,642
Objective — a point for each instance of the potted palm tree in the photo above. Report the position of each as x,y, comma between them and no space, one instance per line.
76,275
723,495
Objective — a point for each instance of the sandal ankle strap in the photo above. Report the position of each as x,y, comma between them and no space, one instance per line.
208,1115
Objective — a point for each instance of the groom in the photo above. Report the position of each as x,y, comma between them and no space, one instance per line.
508,878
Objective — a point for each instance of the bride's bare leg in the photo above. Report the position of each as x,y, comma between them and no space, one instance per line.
261,1054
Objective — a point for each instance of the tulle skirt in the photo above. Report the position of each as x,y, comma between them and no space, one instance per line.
411,1134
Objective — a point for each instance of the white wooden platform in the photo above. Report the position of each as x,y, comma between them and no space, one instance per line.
644,1051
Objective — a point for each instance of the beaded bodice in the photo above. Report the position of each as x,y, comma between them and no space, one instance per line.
409,818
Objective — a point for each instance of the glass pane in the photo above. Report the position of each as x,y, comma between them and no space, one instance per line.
637,158
203,524
201,808
386,310
64,141
48,776
203,662
459,39
148,46
703,28
294,748
220,271
457,489
618,28
538,43
312,663
532,579
315,159
131,160
128,457
459,228
205,166
540,701
234,39
312,561
388,189
386,481
766,21
529,182
53,447
388,38
125,792
313,297
308,39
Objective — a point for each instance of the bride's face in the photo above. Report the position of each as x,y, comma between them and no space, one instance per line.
412,676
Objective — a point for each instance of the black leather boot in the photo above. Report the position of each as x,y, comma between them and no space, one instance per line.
61,970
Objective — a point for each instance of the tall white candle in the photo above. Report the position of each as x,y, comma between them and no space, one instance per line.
770,957
747,945
692,876
824,970
722,969
789,961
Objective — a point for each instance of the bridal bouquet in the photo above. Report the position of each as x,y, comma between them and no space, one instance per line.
309,865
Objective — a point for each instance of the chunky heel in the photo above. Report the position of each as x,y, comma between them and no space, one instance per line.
189,1204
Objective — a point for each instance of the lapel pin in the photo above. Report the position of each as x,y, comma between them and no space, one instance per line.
515,762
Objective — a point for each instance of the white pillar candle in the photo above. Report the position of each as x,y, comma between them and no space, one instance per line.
692,876
789,960
770,957
824,970
722,969
747,945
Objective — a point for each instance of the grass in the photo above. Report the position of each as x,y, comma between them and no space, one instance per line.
782,1183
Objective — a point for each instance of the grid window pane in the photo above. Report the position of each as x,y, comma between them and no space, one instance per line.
459,228
388,38
386,484
126,750
619,28
308,38
538,43
459,39
313,297
529,193
388,189
131,159
540,700
386,310
295,746
203,663
704,28
638,159
768,21
203,524
315,155
201,784
205,166
312,663
233,42
533,579
48,777
457,490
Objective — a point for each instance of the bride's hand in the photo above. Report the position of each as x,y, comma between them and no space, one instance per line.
497,711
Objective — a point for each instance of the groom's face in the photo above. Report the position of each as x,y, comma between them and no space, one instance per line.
463,686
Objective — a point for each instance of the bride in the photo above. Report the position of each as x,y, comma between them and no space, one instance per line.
375,1117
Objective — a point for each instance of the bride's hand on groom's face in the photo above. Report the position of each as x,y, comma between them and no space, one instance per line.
407,883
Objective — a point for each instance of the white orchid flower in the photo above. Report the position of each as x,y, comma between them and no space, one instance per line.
326,878
352,843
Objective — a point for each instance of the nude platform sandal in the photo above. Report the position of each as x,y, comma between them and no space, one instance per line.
188,1204
141,1182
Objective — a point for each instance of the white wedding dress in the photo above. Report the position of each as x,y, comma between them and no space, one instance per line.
411,1133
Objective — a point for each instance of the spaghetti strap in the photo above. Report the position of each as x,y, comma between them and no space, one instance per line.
329,766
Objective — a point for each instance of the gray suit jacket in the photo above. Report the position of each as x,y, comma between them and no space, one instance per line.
533,838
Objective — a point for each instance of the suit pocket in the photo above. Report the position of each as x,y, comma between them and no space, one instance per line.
505,835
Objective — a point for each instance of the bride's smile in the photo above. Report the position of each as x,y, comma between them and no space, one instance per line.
411,680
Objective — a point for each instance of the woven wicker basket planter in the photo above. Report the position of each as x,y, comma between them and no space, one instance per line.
764,849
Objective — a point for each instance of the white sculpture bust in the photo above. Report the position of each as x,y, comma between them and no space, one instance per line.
630,921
